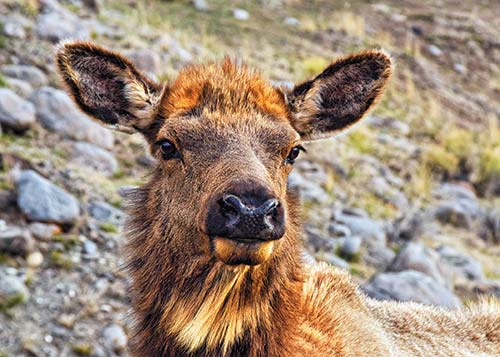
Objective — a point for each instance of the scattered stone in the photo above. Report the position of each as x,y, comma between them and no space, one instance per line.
12,291
15,112
146,60
103,212
392,124
41,200
339,230
44,231
95,157
462,265
200,5
30,74
240,14
414,256
90,249
453,213
16,240
19,86
378,256
292,21
115,338
408,227
56,112
410,285
332,259
459,68
490,229
58,24
34,260
452,190
14,26
434,51
365,227
309,190
351,246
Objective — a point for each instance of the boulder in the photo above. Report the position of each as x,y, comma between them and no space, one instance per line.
95,157
12,290
56,112
462,265
30,74
115,338
410,285
369,230
15,112
414,256
41,200
16,240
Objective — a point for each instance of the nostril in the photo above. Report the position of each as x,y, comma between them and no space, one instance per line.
269,207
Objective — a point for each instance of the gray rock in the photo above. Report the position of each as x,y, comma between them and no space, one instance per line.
16,240
90,248
408,227
378,256
60,24
43,231
307,258
459,68
309,190
14,26
103,212
30,74
19,86
200,5
95,157
410,285
332,259
56,112
292,21
452,190
392,124
115,338
240,14
146,60
462,265
15,112
370,230
315,240
12,290
339,230
490,229
434,50
414,256
351,246
41,200
453,213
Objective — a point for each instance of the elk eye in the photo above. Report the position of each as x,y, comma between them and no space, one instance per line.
168,150
294,153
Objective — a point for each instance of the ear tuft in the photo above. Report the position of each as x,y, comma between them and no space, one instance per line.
340,96
107,86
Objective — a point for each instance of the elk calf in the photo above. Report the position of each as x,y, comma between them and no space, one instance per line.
214,239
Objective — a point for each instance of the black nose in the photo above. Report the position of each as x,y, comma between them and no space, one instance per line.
246,215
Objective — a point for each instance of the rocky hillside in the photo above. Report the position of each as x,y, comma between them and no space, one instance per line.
407,201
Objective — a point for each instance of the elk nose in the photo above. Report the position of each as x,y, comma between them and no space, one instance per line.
246,218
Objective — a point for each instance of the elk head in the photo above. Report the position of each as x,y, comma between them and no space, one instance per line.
225,140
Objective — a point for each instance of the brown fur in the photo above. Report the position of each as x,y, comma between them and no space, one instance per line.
230,125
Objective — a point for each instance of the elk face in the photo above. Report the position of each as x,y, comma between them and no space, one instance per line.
225,140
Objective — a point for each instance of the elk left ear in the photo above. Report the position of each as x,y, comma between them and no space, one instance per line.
340,95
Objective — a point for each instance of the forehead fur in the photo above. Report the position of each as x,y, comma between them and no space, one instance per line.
223,87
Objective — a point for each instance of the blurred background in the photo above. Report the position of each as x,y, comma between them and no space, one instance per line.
407,201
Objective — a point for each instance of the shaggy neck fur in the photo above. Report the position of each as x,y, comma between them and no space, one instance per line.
197,306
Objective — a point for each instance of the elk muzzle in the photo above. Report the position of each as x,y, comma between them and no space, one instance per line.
244,223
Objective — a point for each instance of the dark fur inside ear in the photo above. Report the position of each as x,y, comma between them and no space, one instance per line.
107,86
340,95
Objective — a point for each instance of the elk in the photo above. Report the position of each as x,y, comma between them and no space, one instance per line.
214,237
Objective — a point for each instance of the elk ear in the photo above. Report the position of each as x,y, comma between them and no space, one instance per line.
340,95
108,87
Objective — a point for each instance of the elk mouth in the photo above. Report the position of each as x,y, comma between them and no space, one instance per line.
242,251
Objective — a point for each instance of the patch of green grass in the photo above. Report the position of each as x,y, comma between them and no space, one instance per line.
83,349
314,65
12,301
3,82
361,140
67,240
439,160
6,259
119,174
109,227
60,260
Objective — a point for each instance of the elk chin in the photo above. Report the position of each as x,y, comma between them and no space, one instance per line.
234,252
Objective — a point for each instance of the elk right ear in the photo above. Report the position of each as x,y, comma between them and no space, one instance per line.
108,87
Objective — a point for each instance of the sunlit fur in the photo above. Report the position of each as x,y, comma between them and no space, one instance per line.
230,124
